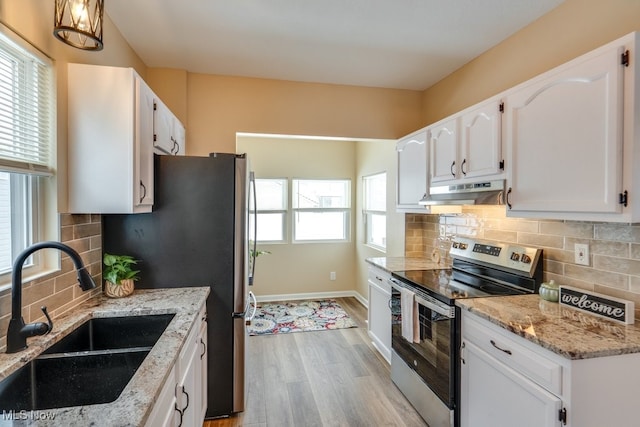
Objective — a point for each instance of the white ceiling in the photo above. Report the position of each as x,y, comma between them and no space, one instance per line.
402,44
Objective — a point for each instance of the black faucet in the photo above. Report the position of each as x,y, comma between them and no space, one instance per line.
18,332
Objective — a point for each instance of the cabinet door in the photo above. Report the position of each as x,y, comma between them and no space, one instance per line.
163,140
493,394
143,173
412,170
164,413
189,389
481,141
179,138
444,151
202,375
565,137
379,313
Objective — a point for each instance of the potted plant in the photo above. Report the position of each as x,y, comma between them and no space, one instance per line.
119,275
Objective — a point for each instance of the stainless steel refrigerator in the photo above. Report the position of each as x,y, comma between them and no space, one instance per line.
197,235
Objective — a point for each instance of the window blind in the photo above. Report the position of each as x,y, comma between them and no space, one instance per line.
26,108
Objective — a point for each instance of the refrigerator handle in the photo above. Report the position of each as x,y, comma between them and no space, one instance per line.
253,253
248,320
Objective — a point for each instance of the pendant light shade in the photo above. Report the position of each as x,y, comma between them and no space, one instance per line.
79,23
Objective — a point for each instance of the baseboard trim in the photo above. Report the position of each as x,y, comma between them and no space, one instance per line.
314,295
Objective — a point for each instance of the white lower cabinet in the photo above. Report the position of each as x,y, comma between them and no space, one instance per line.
183,399
509,381
204,372
163,413
379,316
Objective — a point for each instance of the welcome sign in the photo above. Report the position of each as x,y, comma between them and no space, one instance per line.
615,309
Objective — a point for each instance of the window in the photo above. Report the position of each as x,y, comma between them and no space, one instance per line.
321,210
26,123
375,207
271,197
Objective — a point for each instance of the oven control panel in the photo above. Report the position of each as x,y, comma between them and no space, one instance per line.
514,257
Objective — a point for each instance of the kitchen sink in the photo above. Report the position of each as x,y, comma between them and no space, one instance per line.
108,333
60,381
91,365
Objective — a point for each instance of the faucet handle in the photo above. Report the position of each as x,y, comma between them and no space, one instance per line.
46,314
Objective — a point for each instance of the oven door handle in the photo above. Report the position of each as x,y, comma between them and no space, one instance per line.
443,309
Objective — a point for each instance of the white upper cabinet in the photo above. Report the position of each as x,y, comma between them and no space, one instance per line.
110,140
444,150
169,135
112,128
481,140
468,145
412,171
572,139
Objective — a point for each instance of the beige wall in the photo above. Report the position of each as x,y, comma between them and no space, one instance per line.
220,106
303,268
375,157
573,28
33,20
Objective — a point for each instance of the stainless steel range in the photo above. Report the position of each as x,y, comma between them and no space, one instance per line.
425,326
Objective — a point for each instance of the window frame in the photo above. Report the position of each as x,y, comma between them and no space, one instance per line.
367,212
346,211
31,179
283,212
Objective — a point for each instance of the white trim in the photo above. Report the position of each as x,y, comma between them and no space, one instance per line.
313,295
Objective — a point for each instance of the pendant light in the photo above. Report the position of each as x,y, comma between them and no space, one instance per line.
79,23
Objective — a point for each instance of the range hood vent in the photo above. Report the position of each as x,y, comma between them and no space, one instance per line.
479,193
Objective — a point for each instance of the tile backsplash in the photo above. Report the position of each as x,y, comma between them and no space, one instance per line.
59,291
614,249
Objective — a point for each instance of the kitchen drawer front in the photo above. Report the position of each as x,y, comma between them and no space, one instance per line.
380,278
497,342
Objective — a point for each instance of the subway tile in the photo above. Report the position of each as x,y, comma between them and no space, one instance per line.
597,277
52,302
616,265
558,255
37,292
635,250
561,279
501,236
66,233
618,232
63,281
547,241
634,284
582,230
600,247
86,230
550,266
521,225
74,219
79,245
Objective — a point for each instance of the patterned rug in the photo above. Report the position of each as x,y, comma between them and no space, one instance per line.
299,316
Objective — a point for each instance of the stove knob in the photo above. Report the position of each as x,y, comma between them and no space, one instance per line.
526,259
515,256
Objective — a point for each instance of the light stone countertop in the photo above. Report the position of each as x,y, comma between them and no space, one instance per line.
134,404
391,264
558,328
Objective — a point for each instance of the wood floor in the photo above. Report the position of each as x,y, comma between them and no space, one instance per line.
323,378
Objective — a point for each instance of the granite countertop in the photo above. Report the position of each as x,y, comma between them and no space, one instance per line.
392,264
134,404
558,328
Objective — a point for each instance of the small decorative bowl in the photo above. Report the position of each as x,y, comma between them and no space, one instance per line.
549,291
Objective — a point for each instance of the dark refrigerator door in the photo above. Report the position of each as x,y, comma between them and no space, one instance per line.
188,240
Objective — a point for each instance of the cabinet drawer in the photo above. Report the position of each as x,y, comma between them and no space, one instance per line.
380,278
498,343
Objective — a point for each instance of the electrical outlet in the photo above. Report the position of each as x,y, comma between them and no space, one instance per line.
332,275
582,253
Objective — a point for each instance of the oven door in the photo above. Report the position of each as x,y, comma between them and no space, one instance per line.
433,357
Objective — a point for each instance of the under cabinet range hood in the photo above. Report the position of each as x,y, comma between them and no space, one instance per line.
479,193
